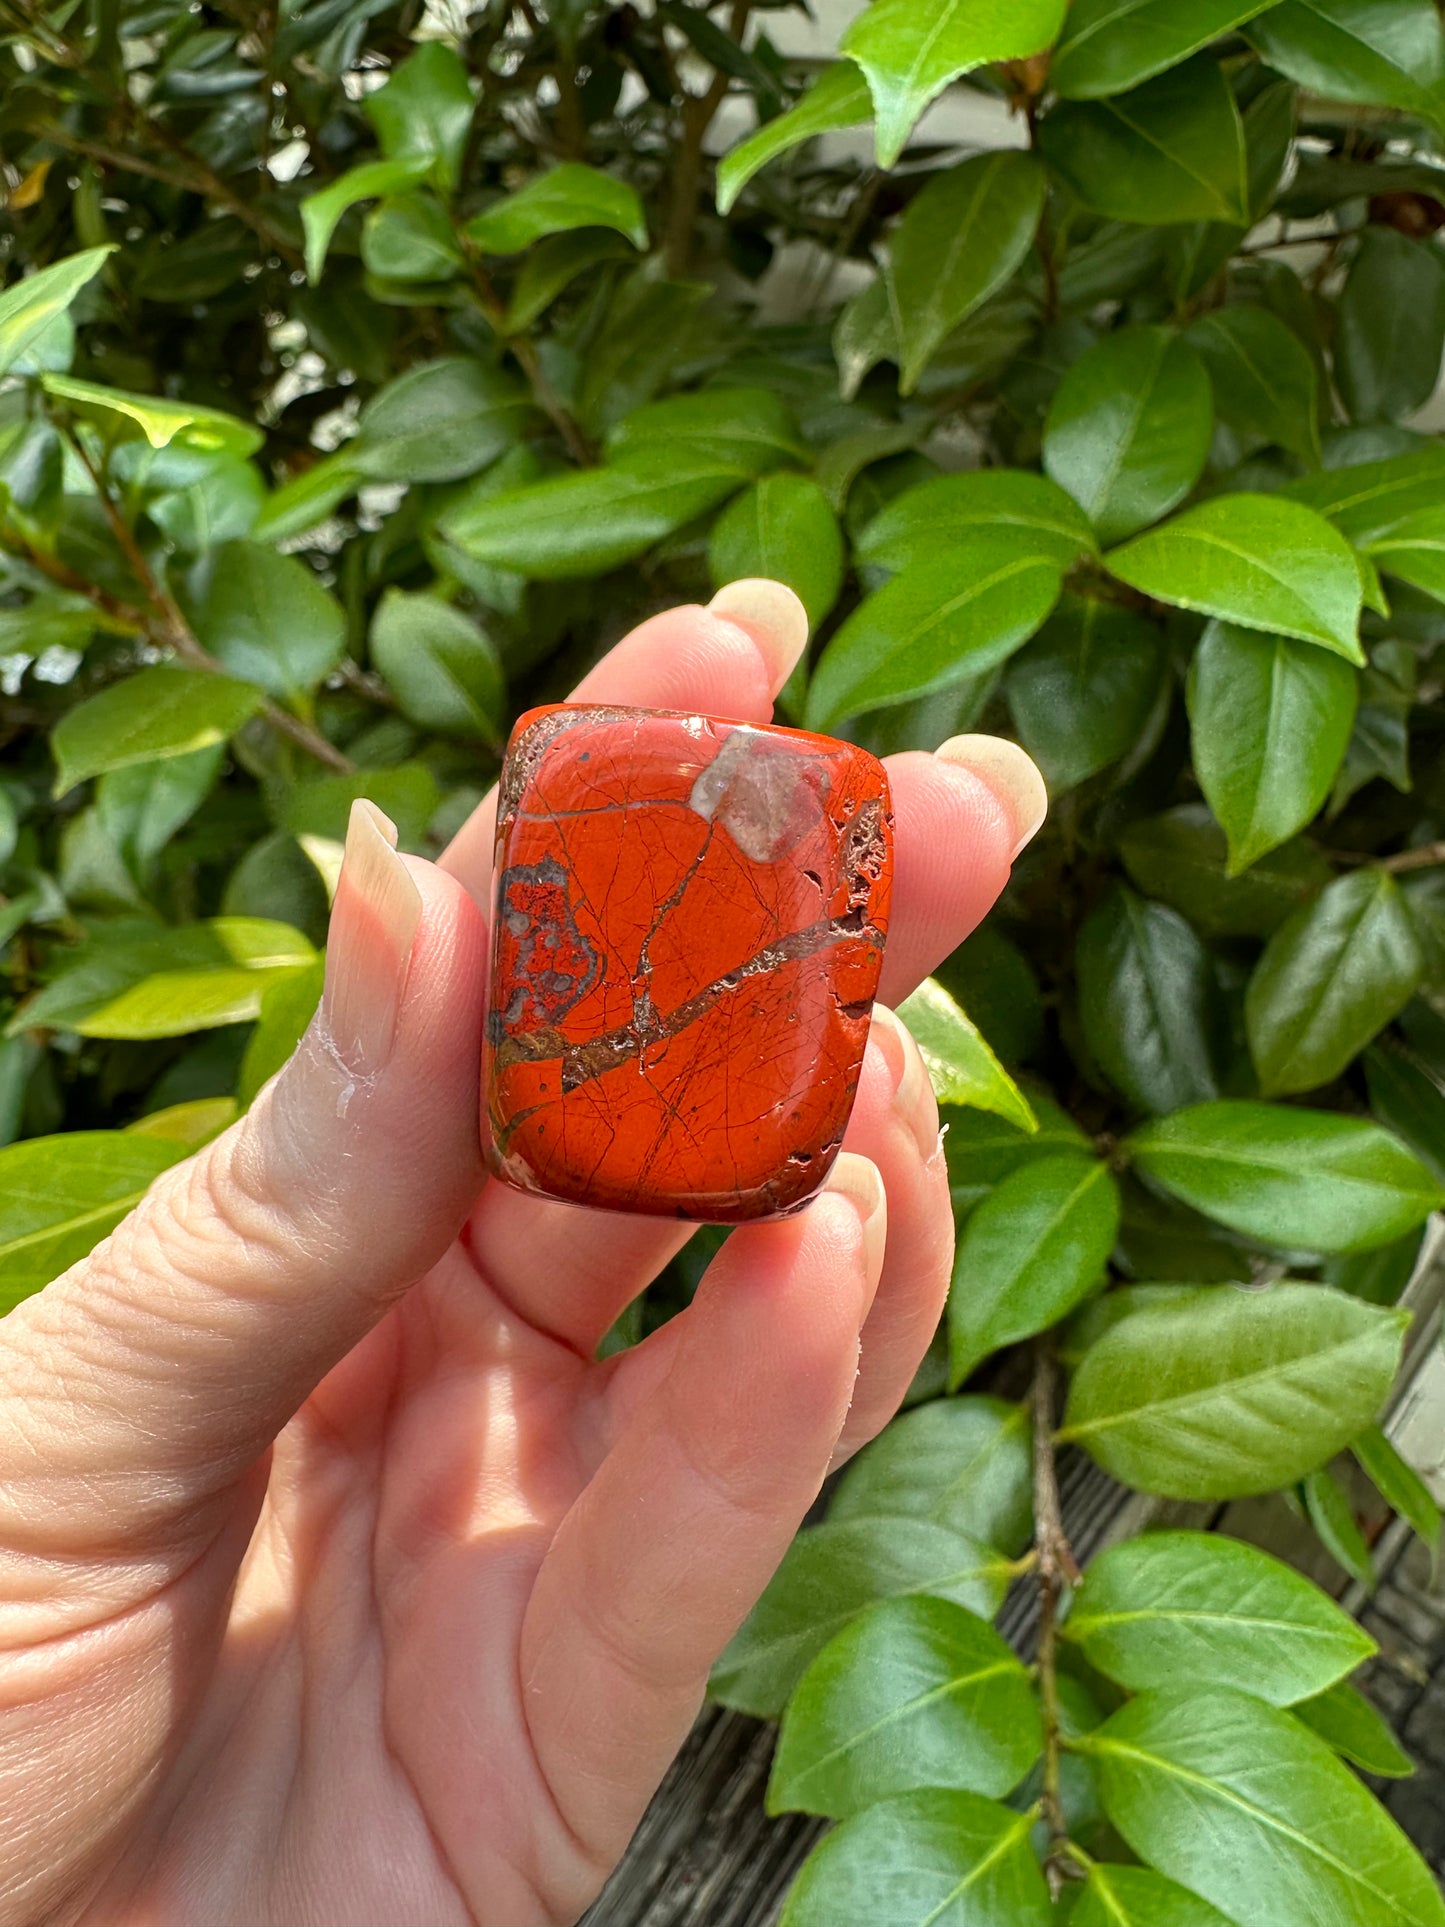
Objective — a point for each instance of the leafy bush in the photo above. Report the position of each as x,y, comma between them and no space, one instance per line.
360,386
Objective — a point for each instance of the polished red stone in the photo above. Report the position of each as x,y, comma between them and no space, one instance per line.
689,926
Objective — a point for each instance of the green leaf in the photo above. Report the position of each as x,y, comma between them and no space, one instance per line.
1414,550
1407,1098
910,54
932,1859
961,1067
1171,150
157,421
287,1007
1108,46
981,1149
143,805
266,618
1147,1002
222,506
1347,1723
1390,326
784,528
409,238
321,212
1263,378
571,195
167,983
930,521
1371,499
307,499
960,240
1138,1897
439,422
945,617
321,806
1034,1247
191,1125
424,112
831,1572
1270,720
1329,980
838,98
585,523
1238,1802
443,669
59,1196
1256,560
1311,1180
1330,1512
865,333
915,1693
1398,1484
964,1463
552,266
1082,694
1180,858
1128,430
1379,1276
29,306
158,712
1196,1606
747,429
1228,1392
1378,52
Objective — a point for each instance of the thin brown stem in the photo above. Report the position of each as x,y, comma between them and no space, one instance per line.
1055,1569
578,445
697,117
169,628
1425,856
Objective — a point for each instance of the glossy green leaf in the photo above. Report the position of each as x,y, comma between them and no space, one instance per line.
910,54
410,238
1230,1392
1108,46
167,983
158,712
189,1125
1171,150
914,1693
321,212
59,1196
1084,691
1239,1803
440,421
266,619
222,506
1390,326
287,1007
1270,720
1329,980
154,419
831,1572
783,528
932,1859
1398,1484
442,668
981,1149
1379,1275
1378,52
1367,501
839,97
552,266
964,1463
424,112
1181,857
1311,1180
587,522
321,805
1347,1723
1172,1606
1128,429
31,305
570,195
1035,1246
1138,1897
749,429
143,805
930,521
307,499
1255,560
1407,1097
1263,377
961,1066
945,617
1147,1002
1331,1512
960,240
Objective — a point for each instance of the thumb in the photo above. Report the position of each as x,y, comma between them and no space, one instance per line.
163,1365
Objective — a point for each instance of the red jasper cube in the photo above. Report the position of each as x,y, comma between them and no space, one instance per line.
689,926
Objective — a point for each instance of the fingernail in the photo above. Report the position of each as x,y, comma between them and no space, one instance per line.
857,1180
774,618
1010,772
373,923
913,1098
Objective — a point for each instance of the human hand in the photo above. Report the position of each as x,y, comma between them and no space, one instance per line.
338,1583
